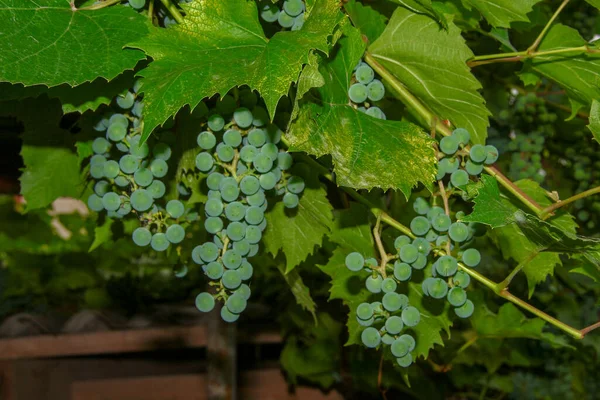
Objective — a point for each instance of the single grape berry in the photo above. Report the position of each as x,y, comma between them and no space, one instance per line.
290,200
411,316
228,316
400,347
461,279
373,285
458,232
420,225
491,154
401,241
142,237
446,265
421,206
392,301
457,296
295,184
394,325
175,208
216,122
441,222
462,135
111,201
206,140
204,161
355,261
472,168
409,253
478,153
236,303
159,242
358,93
95,203
388,285
459,178
471,257
293,7
375,90
214,270
175,233
370,337
402,271
437,288
405,361
205,302
466,310
449,145
364,311
364,74
231,279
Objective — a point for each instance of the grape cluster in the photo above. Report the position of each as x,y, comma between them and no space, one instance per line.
127,176
526,157
244,164
365,90
459,163
289,16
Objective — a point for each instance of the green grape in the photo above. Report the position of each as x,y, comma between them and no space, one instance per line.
273,133
257,137
491,154
143,177
433,212
357,93
118,119
421,206
449,145
254,215
236,303
290,200
268,181
364,74
230,192
420,225
437,288
410,341
206,140
446,265
196,255
458,232
137,4
213,225
388,285
478,153
370,337
409,253
366,322
231,279
364,311
293,7
257,199
156,189
216,122
253,250
355,261
471,257
295,184
459,178
162,151
159,242
136,149
232,259
159,168
97,159
425,285
422,245
457,296
249,185
441,222
100,145
175,233
121,181
116,132
262,163
236,231
392,301
375,112
228,316
270,150
124,208
462,135
399,347
213,181
270,13
421,262
375,90
244,290
387,339
209,252
253,234
180,271
449,164
101,188
242,247
466,310
243,117
402,271
232,137
129,164
126,100
285,20
213,207
214,270
235,211
205,302
401,241
473,168
95,203
175,208
248,153
284,160
373,285
111,169
405,361
411,316
245,270
111,201
394,325
431,235
225,153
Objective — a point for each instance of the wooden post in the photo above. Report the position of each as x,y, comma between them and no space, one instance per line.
221,355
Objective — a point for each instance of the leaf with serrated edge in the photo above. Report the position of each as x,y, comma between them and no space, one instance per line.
367,152
431,63
368,21
51,44
426,7
500,13
102,234
220,45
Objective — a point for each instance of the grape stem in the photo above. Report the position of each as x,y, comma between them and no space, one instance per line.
538,40
429,119
172,8
504,284
96,6
446,210
548,211
380,248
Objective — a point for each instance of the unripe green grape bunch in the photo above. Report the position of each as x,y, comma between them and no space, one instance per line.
239,150
365,90
288,14
127,174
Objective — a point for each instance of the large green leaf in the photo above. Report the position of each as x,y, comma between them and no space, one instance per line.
296,232
369,21
426,7
48,43
500,13
577,74
431,63
367,152
220,45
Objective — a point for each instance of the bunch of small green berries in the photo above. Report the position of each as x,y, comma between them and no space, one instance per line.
290,15
366,90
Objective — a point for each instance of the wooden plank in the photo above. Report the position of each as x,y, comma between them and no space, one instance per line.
128,341
7,381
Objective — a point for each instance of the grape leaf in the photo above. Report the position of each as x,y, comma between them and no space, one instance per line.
52,44
367,20
327,124
490,208
427,7
432,65
594,125
500,13
595,3
220,45
296,232
102,234
579,74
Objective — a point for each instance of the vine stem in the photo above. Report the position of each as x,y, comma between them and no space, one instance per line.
172,8
431,120
547,212
538,40
504,284
96,6
524,55
380,248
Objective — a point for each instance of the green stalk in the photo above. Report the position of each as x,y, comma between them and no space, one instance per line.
538,40
524,55
173,10
100,5
547,212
